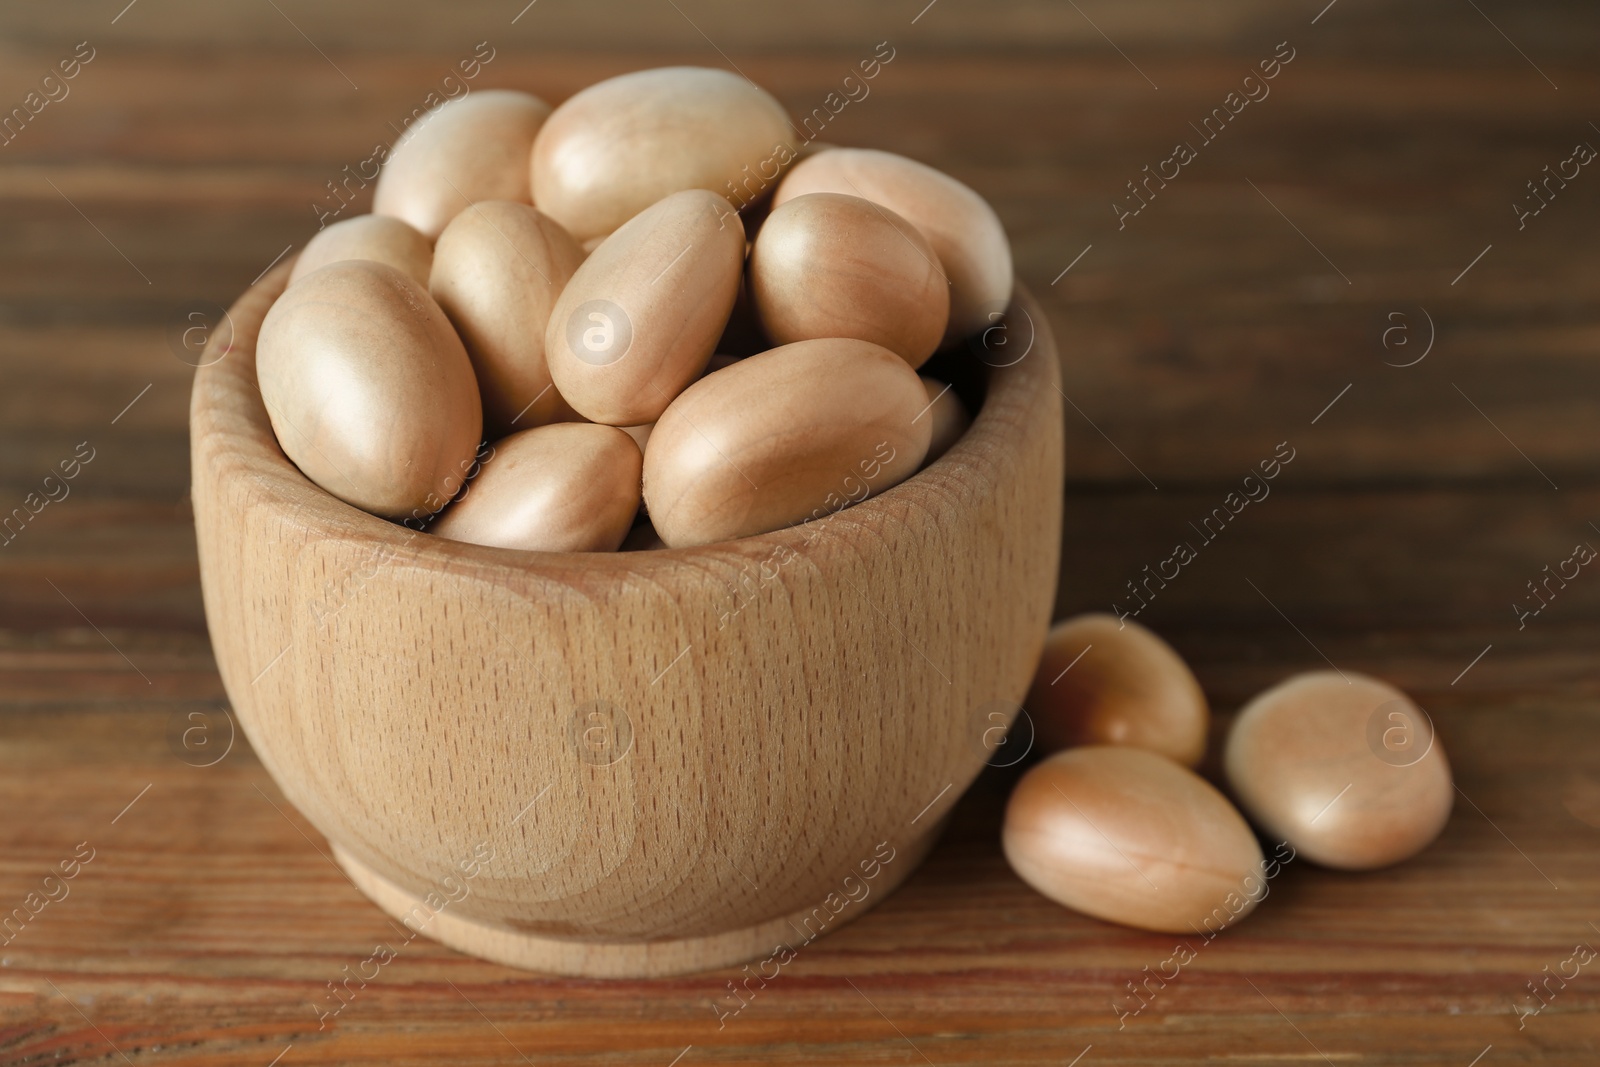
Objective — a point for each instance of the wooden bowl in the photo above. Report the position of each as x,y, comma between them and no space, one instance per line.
628,764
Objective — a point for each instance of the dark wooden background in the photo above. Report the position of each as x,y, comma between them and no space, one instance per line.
1255,290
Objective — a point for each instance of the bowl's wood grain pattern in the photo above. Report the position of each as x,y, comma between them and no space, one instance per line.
671,759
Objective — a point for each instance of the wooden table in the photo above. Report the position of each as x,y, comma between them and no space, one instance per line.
1262,296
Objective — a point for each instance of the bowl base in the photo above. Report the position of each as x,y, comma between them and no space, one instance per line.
627,959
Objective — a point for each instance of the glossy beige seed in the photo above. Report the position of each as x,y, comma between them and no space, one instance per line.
619,146
790,434
949,415
1104,681
498,270
830,265
640,432
369,390
1344,767
641,316
469,149
1130,837
567,487
960,225
379,238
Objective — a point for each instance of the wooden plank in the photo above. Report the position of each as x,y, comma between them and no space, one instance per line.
742,26
1466,559
208,923
1415,512
1176,330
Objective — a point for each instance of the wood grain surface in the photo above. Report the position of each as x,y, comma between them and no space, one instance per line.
1254,291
